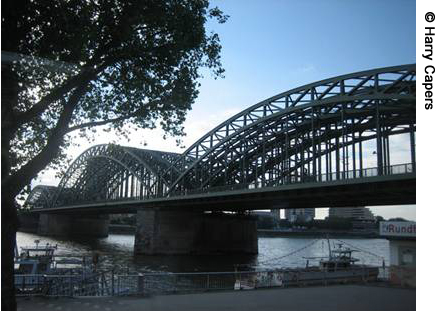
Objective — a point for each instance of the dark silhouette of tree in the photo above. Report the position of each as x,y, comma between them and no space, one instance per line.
265,222
397,219
70,66
379,218
285,224
332,223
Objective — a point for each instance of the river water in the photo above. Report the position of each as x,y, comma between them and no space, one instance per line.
116,252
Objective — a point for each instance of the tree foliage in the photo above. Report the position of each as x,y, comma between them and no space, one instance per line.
69,66
265,222
333,223
82,64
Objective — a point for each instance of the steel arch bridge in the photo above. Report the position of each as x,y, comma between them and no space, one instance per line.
313,133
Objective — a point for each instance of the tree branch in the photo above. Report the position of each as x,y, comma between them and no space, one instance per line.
104,122
83,77
55,95
16,181
98,123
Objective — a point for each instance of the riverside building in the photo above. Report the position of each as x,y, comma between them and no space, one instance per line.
300,214
356,213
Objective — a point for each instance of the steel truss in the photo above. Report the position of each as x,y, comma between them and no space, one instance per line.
112,172
306,131
41,196
314,132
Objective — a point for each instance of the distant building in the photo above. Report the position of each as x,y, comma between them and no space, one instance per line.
300,214
262,214
274,214
355,213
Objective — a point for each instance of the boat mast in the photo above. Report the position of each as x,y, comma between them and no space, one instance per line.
329,246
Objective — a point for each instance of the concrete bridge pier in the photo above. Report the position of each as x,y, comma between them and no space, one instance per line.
178,232
96,226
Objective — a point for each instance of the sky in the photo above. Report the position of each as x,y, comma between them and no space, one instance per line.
271,46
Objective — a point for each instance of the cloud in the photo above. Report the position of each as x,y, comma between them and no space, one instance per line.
46,177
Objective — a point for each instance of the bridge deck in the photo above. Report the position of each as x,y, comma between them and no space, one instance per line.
377,190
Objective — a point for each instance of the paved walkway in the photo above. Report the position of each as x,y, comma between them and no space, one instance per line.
332,298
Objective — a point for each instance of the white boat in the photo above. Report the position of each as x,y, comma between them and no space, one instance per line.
338,267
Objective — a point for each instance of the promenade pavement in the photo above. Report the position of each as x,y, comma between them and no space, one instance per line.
331,298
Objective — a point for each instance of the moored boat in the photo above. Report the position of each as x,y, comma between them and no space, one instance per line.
339,267
36,265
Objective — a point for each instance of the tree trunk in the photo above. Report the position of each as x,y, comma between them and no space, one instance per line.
9,229
8,207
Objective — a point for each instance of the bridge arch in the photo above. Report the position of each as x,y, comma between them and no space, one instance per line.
380,101
112,172
40,196
315,132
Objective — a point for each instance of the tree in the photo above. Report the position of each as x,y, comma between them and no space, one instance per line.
285,224
397,219
333,223
265,222
379,218
70,66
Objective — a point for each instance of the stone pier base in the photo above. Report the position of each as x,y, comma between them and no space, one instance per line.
96,226
28,222
176,232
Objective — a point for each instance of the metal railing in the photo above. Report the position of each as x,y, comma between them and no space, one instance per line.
111,284
305,178
98,284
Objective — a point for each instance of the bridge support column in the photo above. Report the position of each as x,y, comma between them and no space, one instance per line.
28,222
96,226
177,232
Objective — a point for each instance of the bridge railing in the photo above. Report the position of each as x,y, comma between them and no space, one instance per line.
367,172
306,178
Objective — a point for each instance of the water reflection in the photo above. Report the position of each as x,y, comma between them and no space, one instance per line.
116,252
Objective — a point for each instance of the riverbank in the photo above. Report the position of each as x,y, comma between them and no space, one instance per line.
330,298
122,229
127,229
317,234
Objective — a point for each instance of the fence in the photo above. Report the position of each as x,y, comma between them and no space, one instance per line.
97,284
111,284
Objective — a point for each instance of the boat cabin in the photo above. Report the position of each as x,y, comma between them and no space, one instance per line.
340,258
35,259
